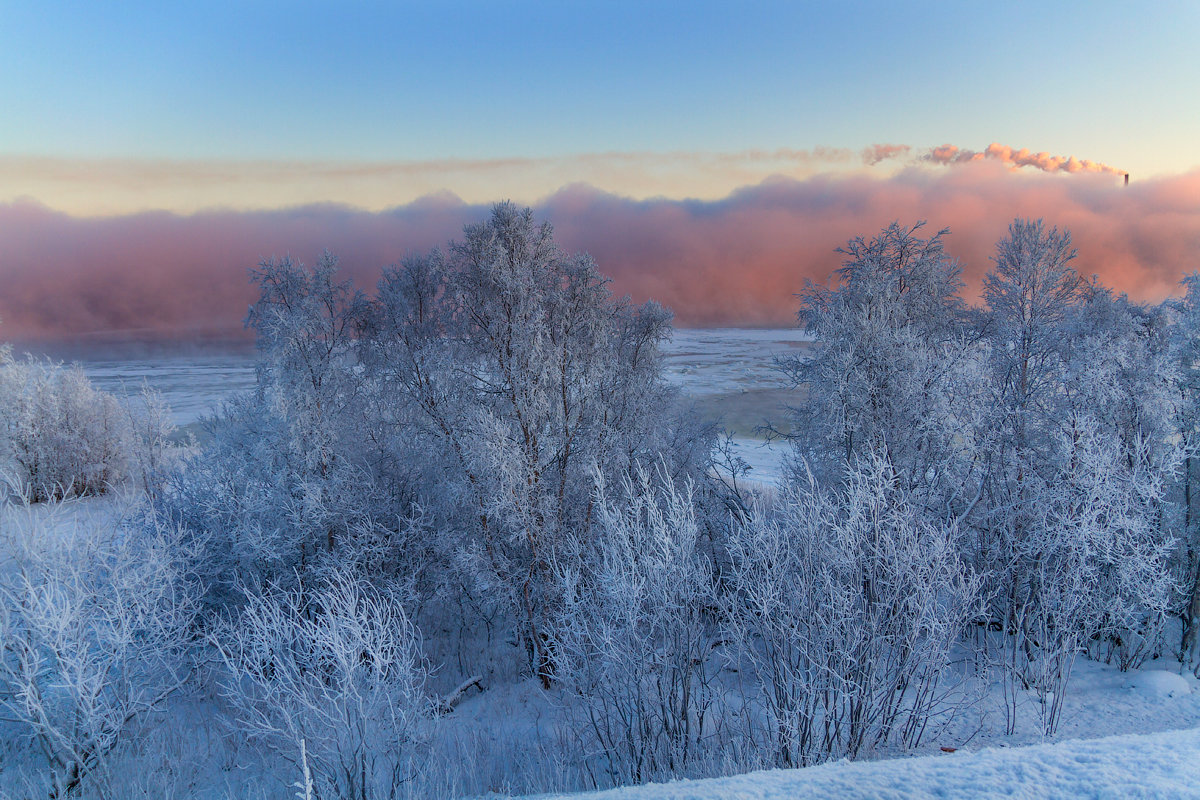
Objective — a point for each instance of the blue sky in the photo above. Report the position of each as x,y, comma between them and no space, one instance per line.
468,80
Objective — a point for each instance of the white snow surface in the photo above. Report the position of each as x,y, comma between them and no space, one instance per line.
1158,683
1158,765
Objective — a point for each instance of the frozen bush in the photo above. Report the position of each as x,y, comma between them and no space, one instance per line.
636,634
329,679
844,606
60,436
268,520
95,622
152,451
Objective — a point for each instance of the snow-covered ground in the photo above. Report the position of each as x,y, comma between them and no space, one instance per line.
1159,765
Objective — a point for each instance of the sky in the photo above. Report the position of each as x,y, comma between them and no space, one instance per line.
124,120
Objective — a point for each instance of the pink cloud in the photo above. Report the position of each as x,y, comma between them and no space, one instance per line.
738,260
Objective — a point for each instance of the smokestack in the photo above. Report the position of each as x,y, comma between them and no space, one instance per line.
1126,178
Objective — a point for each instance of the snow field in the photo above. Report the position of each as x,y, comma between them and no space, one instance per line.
1159,765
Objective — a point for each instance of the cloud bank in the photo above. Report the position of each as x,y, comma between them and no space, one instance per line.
733,261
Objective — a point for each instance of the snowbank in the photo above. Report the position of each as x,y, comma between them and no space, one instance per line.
1159,683
1145,765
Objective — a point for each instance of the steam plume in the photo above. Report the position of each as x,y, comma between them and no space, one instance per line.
881,152
950,154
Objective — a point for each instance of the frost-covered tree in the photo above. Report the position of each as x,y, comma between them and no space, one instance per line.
441,433
1185,344
306,322
520,373
1079,454
1000,422
291,476
1122,378
1030,295
889,373
1094,565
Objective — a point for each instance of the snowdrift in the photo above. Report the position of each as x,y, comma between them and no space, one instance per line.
1143,765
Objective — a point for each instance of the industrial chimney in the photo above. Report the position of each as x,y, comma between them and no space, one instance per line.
1126,178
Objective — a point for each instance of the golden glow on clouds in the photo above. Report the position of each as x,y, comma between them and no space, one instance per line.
109,187
105,187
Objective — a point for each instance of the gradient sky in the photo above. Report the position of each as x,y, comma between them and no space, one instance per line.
113,109
1114,82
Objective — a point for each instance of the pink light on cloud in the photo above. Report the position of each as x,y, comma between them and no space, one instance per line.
1017,158
734,261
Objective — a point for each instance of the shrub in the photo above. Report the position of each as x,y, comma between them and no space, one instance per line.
331,680
95,620
60,436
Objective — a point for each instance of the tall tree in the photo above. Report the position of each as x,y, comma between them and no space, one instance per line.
887,375
1078,460
520,372
1186,348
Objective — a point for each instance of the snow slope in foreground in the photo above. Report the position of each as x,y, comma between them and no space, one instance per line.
1155,765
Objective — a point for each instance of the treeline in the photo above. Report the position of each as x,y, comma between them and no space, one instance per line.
478,474
1048,433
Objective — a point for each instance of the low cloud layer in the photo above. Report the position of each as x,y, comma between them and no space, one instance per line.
734,261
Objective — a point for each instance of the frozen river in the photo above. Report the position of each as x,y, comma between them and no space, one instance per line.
729,371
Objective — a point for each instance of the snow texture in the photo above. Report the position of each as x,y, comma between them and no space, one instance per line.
1158,684
1146,765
